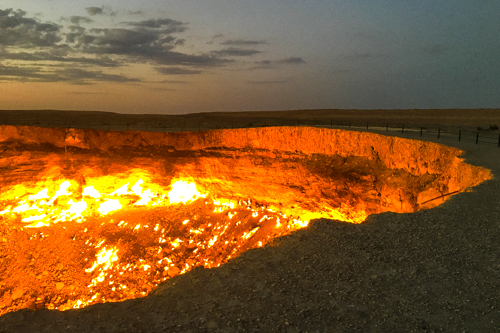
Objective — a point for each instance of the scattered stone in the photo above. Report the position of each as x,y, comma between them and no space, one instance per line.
18,293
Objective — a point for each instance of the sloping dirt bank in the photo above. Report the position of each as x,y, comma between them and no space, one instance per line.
431,270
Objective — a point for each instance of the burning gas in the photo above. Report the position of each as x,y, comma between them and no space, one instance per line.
49,202
69,243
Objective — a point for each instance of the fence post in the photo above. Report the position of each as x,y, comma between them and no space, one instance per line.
403,129
298,121
331,122
477,138
387,127
349,124
366,125
421,131
459,135
498,140
439,133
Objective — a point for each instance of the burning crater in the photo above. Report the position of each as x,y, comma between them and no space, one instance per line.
92,216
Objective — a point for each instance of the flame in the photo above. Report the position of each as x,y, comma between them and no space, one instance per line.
128,258
49,202
183,192
104,259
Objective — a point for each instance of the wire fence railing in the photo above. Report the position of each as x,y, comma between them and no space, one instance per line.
490,135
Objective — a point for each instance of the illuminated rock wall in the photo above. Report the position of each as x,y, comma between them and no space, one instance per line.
311,168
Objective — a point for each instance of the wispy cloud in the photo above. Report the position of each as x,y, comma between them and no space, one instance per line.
291,60
168,26
56,57
236,52
177,71
70,75
272,64
95,10
80,19
240,42
135,12
173,82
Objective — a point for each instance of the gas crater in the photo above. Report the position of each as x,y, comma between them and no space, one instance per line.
96,216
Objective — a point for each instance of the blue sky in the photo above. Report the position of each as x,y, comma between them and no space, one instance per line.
188,56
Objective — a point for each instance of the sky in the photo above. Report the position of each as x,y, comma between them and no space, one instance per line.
185,56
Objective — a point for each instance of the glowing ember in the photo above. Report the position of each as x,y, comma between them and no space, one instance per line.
105,260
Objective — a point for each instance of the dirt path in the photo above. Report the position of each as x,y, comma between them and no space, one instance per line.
434,270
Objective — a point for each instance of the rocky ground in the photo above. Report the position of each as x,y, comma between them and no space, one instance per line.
436,270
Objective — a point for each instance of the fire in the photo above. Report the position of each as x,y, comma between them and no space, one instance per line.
160,231
183,192
49,202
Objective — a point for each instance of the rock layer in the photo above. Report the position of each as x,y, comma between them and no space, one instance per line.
306,171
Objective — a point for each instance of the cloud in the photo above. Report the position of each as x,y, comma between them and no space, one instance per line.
136,12
18,30
236,52
243,42
168,26
271,64
54,57
78,75
173,82
149,41
48,52
70,74
291,60
177,71
92,11
80,19
19,71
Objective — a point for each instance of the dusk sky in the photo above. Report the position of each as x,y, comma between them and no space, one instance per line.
184,56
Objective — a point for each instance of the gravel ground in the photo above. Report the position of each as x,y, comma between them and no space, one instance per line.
436,270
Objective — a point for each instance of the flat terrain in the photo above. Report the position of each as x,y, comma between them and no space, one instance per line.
470,119
435,270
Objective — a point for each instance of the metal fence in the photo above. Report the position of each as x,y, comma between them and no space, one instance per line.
486,136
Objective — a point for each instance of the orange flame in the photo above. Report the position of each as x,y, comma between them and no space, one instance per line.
219,229
49,202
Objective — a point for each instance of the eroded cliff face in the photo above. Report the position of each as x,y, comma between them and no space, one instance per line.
312,172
